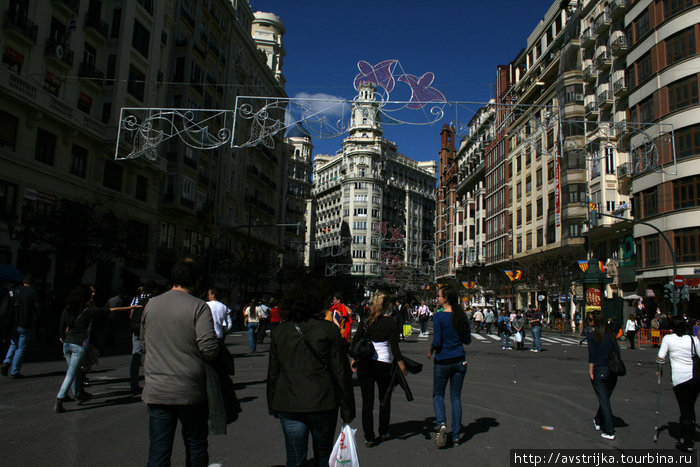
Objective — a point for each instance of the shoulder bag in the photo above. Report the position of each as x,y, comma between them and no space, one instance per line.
695,359
615,364
362,348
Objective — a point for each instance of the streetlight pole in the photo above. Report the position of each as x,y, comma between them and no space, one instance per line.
668,243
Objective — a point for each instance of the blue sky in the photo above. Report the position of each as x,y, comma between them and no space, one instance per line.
460,41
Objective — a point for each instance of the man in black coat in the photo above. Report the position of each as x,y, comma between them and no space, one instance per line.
22,305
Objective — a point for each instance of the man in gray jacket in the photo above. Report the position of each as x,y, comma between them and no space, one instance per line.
178,332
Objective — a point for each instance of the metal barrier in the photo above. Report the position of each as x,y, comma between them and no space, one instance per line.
651,336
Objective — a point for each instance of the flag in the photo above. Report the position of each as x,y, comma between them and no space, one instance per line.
514,275
583,265
601,266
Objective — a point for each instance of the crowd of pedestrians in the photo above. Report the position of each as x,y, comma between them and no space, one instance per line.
179,337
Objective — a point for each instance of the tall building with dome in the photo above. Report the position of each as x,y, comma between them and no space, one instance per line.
371,203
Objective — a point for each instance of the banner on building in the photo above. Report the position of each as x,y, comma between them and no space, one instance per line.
514,275
583,265
469,285
557,191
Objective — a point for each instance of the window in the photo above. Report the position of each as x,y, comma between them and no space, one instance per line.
167,235
680,46
519,190
687,141
84,103
89,55
528,184
113,174
189,192
540,237
528,241
643,67
137,235
646,110
673,7
651,202
687,242
8,199
651,250
641,25
45,149
360,212
106,111
8,131
610,161
116,22
539,207
686,192
78,161
141,39
141,188
519,217
528,213
683,93
137,83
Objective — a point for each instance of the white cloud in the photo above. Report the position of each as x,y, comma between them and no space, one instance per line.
320,103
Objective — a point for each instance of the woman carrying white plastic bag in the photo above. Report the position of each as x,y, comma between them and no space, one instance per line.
345,451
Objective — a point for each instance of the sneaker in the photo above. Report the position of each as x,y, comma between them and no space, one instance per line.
84,396
371,443
58,406
595,425
455,442
684,447
385,437
607,436
441,438
4,368
533,350
66,398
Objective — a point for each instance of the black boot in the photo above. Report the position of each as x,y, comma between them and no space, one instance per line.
58,406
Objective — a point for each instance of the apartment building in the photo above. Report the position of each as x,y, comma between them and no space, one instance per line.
371,203
447,208
68,68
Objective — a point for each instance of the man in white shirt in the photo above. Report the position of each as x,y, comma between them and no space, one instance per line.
220,314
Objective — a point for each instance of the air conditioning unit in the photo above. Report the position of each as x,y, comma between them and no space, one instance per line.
578,97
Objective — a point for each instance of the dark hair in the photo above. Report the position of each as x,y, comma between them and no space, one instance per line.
302,301
338,295
459,317
214,291
679,326
186,273
78,299
600,326
28,279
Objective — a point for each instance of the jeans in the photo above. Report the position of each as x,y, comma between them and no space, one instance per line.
368,373
603,385
455,373
251,335
136,353
630,337
505,339
423,326
296,428
537,338
262,329
686,394
73,354
488,327
18,345
161,431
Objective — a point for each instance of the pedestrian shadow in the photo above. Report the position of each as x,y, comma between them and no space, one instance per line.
619,422
107,399
674,431
478,426
245,384
98,382
44,375
410,428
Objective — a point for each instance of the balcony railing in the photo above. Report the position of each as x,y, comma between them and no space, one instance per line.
71,5
98,24
618,7
587,38
620,87
619,46
590,73
624,170
603,60
591,108
147,4
18,22
604,99
602,23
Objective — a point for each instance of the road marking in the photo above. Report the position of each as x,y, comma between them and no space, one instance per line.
478,337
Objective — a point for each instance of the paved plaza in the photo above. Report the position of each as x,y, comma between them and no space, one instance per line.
511,399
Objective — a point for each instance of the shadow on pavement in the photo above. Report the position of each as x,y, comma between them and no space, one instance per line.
411,428
109,399
243,384
480,425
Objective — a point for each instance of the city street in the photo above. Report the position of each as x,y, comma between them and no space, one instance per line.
511,399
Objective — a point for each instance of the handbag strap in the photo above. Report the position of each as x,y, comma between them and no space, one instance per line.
318,357
692,347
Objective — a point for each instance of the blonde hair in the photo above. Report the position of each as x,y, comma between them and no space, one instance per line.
380,303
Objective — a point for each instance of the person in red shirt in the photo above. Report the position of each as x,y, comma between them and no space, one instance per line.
345,324
275,316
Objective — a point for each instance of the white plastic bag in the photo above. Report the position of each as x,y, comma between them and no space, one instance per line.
345,451
518,337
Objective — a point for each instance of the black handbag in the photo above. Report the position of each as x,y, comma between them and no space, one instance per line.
615,364
695,359
362,348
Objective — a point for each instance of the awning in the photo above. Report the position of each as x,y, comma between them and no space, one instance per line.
633,296
145,276
9,273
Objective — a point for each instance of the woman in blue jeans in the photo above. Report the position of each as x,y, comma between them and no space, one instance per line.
600,342
74,332
451,330
252,320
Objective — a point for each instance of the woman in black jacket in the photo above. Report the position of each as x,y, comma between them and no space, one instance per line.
308,377
600,342
74,332
384,333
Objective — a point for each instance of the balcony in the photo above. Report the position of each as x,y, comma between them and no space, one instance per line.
590,73
59,54
147,5
605,100
91,75
587,38
591,110
67,6
603,61
624,170
618,8
21,27
601,25
619,46
620,87
96,26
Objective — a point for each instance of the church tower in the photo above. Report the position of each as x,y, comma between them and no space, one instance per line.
365,120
